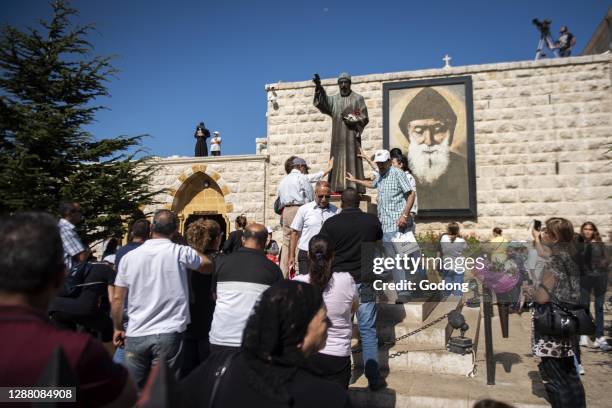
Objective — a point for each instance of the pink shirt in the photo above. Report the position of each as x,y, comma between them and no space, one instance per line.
339,296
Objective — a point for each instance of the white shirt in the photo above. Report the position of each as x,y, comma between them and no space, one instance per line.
295,188
338,297
415,206
314,177
309,219
215,144
451,251
155,274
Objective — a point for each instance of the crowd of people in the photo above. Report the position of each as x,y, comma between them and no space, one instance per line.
276,323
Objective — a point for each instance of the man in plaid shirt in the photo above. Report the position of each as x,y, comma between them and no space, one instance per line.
74,250
395,199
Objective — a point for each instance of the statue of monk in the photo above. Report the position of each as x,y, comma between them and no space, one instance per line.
349,117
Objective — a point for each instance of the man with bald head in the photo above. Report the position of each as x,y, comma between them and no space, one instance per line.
154,276
307,223
241,278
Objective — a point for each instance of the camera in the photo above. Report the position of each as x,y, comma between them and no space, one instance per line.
543,26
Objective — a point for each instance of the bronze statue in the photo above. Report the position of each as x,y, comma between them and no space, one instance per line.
349,117
201,134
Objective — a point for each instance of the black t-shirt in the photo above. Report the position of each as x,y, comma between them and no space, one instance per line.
233,242
201,302
93,298
349,231
235,391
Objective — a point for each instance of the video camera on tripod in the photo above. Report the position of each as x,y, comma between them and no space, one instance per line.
545,38
543,26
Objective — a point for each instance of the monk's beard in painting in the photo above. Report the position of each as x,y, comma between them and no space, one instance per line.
428,163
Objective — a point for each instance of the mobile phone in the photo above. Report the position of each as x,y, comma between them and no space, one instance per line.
537,225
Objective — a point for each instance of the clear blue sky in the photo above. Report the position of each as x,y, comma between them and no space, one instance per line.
185,61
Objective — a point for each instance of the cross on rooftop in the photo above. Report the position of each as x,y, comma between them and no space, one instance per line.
446,60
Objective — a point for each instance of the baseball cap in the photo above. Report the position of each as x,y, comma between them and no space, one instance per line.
269,230
381,156
299,162
215,132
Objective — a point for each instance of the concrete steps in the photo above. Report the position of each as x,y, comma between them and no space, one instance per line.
442,391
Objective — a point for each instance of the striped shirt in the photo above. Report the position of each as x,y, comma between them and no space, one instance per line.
70,241
393,188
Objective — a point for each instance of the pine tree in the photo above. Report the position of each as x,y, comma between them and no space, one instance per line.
49,84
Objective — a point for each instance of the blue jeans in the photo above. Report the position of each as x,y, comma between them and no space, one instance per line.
453,277
366,319
119,356
143,352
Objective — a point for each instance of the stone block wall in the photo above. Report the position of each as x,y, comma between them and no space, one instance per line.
542,130
241,179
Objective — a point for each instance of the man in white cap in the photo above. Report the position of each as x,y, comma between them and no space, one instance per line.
395,200
215,144
294,191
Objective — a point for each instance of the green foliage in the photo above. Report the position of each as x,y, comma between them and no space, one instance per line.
49,84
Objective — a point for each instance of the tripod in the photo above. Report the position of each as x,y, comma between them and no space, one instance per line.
546,40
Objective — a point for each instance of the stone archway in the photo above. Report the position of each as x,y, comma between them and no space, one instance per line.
201,194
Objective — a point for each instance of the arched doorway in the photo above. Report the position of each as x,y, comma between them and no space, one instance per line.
199,196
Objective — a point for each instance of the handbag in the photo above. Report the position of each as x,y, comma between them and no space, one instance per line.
560,319
278,208
221,370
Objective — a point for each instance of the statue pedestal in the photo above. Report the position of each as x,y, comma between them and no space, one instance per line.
365,203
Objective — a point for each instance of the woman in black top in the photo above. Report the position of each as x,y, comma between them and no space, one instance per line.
235,237
288,324
594,279
205,237
561,279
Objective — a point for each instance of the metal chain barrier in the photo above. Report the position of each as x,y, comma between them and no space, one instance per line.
412,333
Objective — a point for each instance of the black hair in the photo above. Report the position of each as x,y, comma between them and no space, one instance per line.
165,223
321,254
241,221
260,235
395,152
497,231
31,252
141,229
111,247
350,198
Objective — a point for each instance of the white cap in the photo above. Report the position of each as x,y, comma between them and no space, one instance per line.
269,230
381,156
216,132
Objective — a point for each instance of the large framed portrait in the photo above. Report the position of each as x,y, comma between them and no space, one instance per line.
432,122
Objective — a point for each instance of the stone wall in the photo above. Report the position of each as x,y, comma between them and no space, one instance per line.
541,129
241,179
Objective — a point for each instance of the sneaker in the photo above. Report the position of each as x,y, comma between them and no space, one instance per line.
602,344
584,341
580,369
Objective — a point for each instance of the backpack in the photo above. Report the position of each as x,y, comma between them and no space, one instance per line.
75,281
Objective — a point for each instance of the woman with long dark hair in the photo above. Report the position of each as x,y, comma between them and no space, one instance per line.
594,279
560,280
340,296
234,242
205,237
288,324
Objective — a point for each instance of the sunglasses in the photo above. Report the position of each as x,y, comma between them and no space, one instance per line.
324,196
